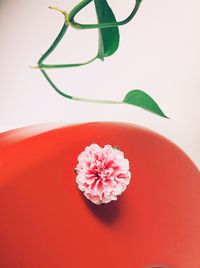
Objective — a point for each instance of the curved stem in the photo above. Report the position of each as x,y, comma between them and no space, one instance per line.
55,87
59,10
77,98
56,66
54,45
78,8
81,5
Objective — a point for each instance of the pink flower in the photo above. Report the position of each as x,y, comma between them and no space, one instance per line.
102,173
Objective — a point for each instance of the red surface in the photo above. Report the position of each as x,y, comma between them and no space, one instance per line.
45,221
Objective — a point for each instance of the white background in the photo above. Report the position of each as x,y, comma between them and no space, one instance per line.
159,53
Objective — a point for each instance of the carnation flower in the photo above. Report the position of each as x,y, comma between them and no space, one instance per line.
102,173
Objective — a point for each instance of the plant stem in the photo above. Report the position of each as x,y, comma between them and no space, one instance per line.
69,20
56,66
77,98
55,87
54,45
96,100
81,5
59,10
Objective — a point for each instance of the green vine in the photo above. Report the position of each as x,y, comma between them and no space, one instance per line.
84,3
108,44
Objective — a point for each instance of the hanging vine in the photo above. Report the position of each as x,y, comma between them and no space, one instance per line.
108,29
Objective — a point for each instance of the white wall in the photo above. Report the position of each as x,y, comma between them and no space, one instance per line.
159,53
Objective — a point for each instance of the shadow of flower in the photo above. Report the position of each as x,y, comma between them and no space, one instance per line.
108,213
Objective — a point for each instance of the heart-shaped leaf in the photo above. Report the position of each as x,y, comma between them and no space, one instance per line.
143,100
108,37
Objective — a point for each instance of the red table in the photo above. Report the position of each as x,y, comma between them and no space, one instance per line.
46,222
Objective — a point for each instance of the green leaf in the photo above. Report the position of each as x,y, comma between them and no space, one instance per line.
141,99
108,37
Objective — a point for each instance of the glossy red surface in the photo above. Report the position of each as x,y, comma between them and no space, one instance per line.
45,221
